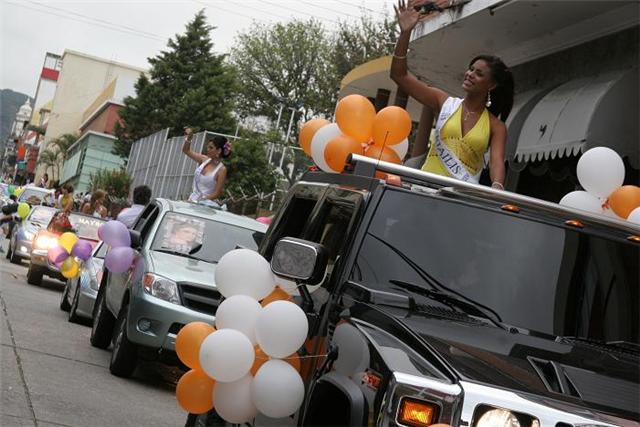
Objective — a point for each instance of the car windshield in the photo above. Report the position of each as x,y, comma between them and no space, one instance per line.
41,215
86,227
201,238
533,275
33,194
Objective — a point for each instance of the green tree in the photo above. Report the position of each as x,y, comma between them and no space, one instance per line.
116,182
187,85
249,171
49,159
55,154
284,63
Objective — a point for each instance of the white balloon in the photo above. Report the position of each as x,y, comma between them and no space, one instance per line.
226,355
233,401
401,149
281,328
634,216
239,312
277,389
582,200
244,272
600,171
353,350
319,142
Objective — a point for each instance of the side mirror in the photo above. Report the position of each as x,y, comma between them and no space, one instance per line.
136,241
300,260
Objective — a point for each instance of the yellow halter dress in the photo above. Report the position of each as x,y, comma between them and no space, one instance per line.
469,148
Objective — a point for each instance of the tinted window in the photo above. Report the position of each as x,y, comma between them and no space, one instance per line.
534,275
201,238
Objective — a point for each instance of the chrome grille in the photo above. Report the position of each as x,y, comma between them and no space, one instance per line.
200,298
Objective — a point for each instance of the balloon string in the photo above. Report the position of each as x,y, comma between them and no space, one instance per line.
316,356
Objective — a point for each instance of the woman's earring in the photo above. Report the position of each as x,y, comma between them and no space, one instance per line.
488,104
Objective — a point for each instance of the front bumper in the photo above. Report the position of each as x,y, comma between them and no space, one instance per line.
155,323
40,259
23,248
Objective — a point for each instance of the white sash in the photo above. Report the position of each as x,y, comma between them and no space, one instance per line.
453,165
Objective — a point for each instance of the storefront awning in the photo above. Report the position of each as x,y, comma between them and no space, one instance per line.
581,114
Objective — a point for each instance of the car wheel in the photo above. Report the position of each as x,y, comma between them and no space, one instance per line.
13,258
102,326
34,275
73,315
64,301
125,353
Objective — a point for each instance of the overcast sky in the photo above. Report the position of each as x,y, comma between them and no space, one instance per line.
131,31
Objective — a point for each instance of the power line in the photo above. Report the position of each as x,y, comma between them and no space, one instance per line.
361,7
112,28
253,18
326,8
299,11
135,30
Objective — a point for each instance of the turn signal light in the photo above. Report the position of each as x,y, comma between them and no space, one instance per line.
634,239
416,413
574,223
510,208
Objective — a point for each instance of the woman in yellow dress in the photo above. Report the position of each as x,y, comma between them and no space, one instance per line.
465,127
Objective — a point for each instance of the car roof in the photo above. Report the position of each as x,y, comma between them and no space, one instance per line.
202,211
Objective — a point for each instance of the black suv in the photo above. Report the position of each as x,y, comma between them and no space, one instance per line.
431,300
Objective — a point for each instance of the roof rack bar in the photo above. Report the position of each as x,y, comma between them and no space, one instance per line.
421,176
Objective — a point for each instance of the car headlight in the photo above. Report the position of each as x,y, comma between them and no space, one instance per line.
45,242
498,418
28,235
161,287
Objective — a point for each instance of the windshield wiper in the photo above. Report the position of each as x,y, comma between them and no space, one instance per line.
622,345
453,297
178,253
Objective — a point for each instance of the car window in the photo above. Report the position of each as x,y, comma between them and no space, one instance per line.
41,215
146,220
201,238
534,275
101,252
86,227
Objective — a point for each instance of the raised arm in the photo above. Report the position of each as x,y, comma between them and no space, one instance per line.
186,147
407,19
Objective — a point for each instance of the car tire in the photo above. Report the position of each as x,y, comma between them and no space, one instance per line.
103,321
8,255
64,301
73,314
34,275
125,353
11,254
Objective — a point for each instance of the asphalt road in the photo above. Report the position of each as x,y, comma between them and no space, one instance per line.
50,375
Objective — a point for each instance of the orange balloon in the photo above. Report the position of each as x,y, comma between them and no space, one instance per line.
189,340
391,126
308,130
624,200
278,294
294,360
338,149
261,359
355,115
386,154
194,392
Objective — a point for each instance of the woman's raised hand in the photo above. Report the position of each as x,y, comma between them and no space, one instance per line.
407,16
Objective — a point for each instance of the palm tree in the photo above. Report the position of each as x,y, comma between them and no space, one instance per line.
50,160
63,143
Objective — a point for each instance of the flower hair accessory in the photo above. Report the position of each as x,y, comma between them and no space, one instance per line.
226,149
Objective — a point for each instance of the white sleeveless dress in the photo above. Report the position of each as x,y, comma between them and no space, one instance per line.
203,185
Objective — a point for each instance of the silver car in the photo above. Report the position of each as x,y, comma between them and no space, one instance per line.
21,240
171,281
79,294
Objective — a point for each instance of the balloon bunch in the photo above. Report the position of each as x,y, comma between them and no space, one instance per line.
68,254
600,172
358,129
248,363
120,255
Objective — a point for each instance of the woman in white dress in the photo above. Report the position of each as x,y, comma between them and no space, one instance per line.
211,174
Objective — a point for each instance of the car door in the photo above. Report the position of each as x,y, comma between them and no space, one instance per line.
118,282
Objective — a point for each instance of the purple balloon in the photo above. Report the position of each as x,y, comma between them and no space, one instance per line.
115,234
119,260
57,254
82,249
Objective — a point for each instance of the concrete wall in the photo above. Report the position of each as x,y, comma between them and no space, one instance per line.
105,121
614,52
82,79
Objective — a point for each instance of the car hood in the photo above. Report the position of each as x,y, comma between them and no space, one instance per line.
591,375
181,269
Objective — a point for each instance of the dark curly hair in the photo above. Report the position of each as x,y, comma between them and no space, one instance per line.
223,144
502,94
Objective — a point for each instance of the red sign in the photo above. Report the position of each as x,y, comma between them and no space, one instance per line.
50,74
